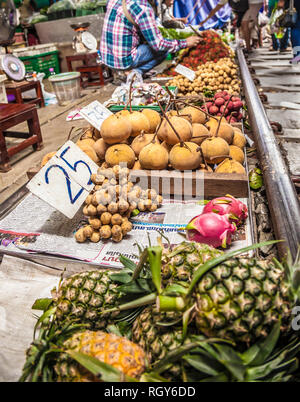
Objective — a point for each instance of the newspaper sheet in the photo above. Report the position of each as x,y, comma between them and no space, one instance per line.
35,227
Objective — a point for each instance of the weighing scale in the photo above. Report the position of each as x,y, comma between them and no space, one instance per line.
83,41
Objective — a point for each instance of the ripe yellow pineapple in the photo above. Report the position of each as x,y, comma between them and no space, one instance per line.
72,354
119,352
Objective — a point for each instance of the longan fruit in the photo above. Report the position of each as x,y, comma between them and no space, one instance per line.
80,236
106,218
88,231
116,219
115,230
95,238
113,207
105,232
101,208
123,206
126,227
88,199
95,223
141,206
117,238
91,210
85,210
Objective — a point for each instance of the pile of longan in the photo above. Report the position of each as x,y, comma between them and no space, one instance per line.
111,203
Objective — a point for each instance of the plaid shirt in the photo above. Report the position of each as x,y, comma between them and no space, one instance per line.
120,37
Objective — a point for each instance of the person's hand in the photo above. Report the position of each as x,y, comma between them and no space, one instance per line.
193,41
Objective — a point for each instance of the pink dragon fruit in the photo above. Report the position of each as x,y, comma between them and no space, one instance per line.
228,205
210,228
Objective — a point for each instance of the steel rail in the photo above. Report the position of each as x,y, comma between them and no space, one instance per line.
282,198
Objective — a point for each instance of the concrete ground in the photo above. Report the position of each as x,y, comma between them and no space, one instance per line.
55,130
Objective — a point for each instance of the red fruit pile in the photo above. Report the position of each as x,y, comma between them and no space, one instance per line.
211,48
233,110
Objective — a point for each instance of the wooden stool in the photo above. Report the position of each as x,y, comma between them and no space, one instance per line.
89,66
16,89
10,116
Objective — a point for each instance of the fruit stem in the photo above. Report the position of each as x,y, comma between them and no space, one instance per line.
202,155
168,120
142,301
167,303
199,108
130,93
172,99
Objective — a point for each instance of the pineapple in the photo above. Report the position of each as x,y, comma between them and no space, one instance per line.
83,297
241,299
63,355
117,351
180,262
154,338
228,297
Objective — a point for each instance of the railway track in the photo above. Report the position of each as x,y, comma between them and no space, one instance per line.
275,123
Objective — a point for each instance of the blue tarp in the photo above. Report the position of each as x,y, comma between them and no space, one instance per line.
183,7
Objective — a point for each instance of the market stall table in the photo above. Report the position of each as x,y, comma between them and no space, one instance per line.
17,88
10,116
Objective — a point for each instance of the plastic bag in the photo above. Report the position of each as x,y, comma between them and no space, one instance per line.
61,6
36,18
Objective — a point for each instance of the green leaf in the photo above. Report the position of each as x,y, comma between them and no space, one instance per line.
127,263
140,286
152,377
259,352
202,364
231,360
107,372
42,304
120,277
154,256
43,317
174,289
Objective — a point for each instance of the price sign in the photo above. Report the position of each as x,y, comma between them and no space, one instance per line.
65,181
95,113
186,72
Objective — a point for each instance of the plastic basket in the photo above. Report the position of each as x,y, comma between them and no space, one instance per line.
42,62
66,86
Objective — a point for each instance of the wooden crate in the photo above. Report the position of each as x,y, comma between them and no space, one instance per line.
192,184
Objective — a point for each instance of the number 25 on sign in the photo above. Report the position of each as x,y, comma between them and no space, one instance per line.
65,181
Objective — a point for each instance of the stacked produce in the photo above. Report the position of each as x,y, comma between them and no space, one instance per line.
211,49
233,110
218,222
192,313
110,204
222,75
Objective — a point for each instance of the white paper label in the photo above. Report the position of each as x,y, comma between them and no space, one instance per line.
95,113
65,181
186,72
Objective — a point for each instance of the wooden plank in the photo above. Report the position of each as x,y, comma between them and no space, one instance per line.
192,184
287,118
275,99
293,80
